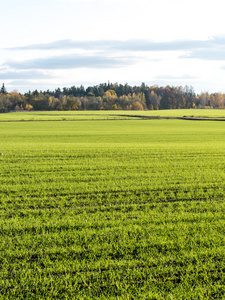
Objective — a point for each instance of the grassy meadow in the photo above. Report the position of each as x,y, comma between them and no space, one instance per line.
108,115
113,208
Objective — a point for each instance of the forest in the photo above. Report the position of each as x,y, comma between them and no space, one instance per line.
109,96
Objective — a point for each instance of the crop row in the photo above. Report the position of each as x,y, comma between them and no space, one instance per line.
132,210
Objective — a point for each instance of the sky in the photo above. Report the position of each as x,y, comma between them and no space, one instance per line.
47,44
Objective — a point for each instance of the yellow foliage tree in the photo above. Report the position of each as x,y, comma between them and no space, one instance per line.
136,106
28,107
110,94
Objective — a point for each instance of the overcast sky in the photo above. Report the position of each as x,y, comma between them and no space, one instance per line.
47,44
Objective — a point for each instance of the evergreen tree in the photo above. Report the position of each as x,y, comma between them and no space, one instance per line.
3,89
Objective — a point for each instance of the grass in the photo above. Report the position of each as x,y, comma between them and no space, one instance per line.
108,115
60,116
132,209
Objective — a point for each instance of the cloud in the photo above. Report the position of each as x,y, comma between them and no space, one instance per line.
23,75
133,45
211,49
70,61
217,53
172,77
116,45
19,83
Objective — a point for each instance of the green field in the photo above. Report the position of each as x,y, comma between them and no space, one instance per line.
112,209
62,116
108,115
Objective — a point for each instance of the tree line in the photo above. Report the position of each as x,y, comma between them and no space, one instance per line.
109,96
